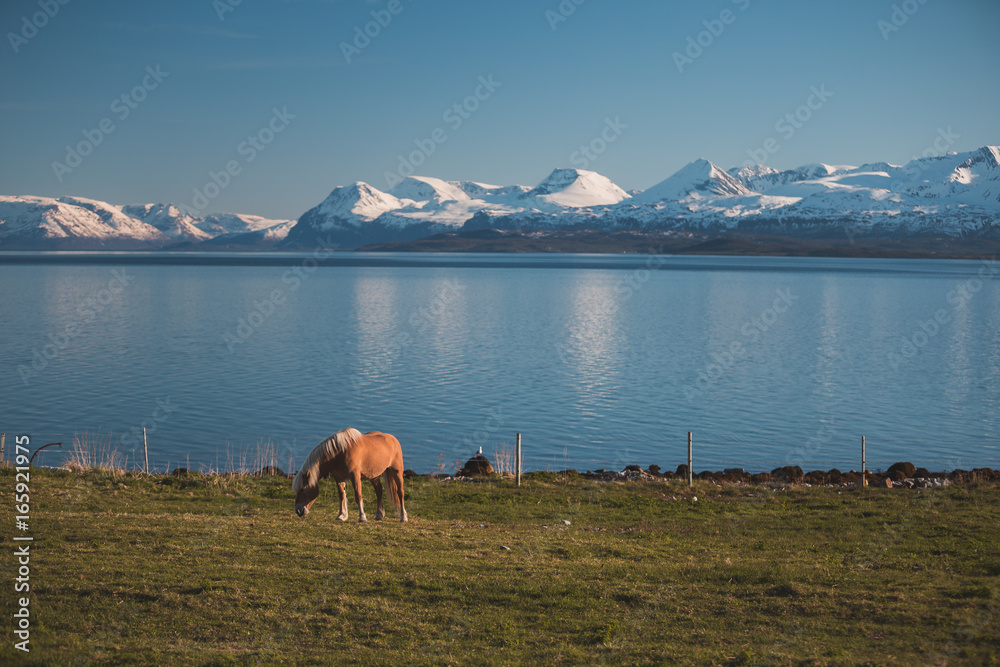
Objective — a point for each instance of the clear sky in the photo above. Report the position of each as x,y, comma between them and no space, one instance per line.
884,80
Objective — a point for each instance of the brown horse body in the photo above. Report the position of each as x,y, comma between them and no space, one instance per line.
349,455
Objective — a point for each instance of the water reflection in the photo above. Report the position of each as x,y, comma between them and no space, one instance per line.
592,336
828,341
562,354
376,308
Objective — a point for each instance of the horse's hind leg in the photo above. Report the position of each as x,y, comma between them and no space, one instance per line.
395,481
402,504
342,492
357,496
380,509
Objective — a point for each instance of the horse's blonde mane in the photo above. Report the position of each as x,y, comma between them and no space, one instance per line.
339,442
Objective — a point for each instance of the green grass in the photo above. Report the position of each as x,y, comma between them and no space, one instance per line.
218,570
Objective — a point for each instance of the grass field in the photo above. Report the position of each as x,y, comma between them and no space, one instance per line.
132,569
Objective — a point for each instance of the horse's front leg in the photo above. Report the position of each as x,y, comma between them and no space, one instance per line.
380,510
342,492
357,496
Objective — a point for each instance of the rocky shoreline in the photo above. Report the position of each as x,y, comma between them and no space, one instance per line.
899,475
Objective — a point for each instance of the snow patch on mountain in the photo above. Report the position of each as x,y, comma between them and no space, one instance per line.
492,193
754,177
426,189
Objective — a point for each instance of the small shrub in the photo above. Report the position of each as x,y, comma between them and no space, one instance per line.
94,452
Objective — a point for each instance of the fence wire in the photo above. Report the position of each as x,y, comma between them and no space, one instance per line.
711,452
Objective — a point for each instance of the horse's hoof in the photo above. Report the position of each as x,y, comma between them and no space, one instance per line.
342,517
379,517
363,519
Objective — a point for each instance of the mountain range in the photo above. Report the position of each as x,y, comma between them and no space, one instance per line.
87,224
950,195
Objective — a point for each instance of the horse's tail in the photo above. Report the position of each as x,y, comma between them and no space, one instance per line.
393,483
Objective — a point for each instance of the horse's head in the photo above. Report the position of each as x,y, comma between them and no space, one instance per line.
306,492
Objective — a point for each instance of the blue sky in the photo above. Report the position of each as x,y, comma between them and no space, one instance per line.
892,77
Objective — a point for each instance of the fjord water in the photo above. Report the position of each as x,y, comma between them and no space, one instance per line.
599,361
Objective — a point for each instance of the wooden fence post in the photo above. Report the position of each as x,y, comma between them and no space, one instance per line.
864,478
3,449
690,461
517,461
145,448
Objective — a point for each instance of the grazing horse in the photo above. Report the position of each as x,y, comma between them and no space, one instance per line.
349,455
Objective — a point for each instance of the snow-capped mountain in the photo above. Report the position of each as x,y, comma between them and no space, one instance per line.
79,223
261,237
754,177
218,224
70,222
974,181
698,180
168,219
576,188
952,195
348,215
420,206
956,194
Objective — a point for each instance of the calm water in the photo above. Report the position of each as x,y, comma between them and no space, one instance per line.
597,361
